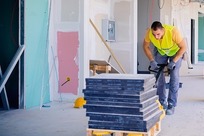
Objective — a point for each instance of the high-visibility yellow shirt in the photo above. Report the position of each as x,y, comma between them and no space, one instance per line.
168,45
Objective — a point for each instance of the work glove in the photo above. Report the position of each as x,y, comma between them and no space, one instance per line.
153,65
171,65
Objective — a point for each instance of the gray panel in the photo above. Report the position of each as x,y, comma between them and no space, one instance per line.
144,9
113,102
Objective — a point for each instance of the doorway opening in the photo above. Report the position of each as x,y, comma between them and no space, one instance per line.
9,41
192,41
200,37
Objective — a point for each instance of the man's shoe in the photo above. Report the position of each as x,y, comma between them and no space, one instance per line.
164,105
170,110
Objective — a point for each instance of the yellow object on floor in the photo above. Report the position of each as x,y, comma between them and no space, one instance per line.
135,135
79,102
101,133
161,108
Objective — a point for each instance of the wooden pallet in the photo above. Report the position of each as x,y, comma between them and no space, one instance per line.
102,66
154,131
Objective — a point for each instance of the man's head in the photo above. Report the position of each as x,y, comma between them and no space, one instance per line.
157,30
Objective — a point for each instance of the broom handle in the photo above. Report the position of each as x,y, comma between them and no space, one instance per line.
107,46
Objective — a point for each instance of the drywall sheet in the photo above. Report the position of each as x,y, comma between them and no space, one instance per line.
69,10
68,43
36,56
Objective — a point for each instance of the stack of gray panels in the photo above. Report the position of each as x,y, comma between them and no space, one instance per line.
121,102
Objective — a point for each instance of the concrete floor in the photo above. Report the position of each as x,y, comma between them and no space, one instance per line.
188,119
61,119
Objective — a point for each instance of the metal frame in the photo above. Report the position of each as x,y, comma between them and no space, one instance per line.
4,95
18,57
21,92
10,68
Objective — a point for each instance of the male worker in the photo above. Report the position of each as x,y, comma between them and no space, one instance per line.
169,48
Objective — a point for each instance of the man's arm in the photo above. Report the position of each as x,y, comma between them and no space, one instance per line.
147,50
178,38
181,51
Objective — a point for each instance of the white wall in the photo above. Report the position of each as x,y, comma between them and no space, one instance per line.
180,14
98,9
65,19
166,12
91,46
122,11
148,11
183,13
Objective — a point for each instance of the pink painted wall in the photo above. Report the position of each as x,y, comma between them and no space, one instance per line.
67,43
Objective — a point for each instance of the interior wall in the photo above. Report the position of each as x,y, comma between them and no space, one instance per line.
181,16
147,13
122,11
166,11
91,46
65,19
182,13
99,9
84,44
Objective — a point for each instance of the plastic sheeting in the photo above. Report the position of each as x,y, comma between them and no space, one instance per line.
36,55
